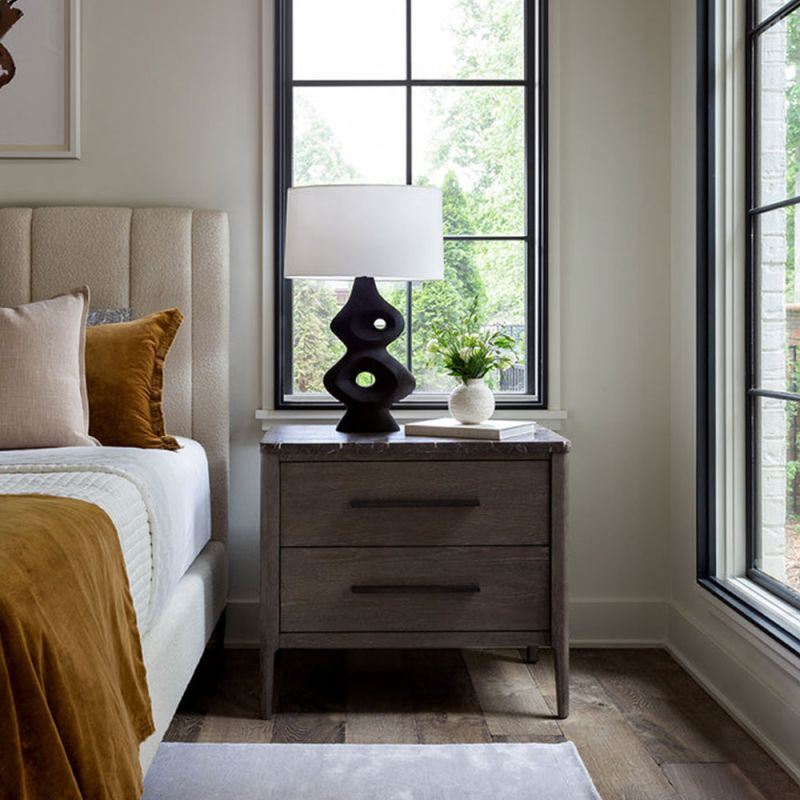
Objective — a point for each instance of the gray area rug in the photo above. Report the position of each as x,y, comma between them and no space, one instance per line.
358,772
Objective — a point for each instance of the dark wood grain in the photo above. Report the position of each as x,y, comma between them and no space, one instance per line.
647,699
385,540
185,727
406,697
711,782
380,707
317,589
708,720
530,739
270,577
559,624
422,640
311,707
616,757
446,708
490,519
225,695
511,703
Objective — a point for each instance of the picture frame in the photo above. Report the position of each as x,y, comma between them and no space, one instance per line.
40,101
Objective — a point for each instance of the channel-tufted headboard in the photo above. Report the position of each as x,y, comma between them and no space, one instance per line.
145,259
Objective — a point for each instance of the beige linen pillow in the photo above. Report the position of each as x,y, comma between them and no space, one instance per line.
43,401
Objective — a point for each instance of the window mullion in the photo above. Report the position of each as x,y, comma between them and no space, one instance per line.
755,29
468,237
752,471
304,83
776,206
789,397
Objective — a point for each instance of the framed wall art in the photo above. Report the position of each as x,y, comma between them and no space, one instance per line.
39,79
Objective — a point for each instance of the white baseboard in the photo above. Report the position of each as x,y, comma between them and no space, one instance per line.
593,623
759,708
618,623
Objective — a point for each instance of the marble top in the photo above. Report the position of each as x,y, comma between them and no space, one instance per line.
324,439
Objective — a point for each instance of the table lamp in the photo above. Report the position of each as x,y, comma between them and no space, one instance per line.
366,232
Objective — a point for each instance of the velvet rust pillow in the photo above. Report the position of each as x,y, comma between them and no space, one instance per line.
125,380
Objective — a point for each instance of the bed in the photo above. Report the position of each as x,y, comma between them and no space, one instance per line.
144,259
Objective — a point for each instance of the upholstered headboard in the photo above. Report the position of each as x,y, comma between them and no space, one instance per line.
145,259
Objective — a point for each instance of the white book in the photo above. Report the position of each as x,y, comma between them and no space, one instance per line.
494,429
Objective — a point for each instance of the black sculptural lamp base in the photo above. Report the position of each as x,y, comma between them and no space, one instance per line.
367,324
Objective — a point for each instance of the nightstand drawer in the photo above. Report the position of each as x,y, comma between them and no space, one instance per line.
415,589
415,503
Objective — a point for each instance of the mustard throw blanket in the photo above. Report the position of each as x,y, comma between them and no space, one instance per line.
74,705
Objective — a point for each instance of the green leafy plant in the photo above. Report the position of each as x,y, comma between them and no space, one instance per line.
469,350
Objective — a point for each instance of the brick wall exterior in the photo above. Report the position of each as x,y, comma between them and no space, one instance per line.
774,251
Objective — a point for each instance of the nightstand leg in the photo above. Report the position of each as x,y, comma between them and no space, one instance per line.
532,654
561,656
268,664
559,621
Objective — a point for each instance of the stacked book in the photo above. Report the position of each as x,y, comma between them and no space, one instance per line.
495,429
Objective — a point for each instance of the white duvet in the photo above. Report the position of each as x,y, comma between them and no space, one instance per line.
158,500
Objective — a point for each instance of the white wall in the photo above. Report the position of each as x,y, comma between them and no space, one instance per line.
171,115
611,76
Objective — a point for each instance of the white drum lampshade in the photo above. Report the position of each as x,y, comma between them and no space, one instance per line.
392,233
387,232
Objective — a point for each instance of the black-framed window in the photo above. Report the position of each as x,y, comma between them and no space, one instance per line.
768,345
451,94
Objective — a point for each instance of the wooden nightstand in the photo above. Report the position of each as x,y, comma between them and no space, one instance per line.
391,541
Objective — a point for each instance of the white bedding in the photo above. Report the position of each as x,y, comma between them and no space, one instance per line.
158,500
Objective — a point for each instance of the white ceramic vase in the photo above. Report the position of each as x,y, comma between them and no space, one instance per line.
471,402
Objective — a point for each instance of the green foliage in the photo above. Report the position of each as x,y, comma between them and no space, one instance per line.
468,350
490,38
481,145
478,151
315,348
792,145
483,129
447,302
316,158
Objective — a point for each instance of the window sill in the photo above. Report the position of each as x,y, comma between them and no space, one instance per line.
771,606
551,418
769,624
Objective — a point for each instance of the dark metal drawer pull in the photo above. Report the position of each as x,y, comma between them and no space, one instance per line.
466,503
456,588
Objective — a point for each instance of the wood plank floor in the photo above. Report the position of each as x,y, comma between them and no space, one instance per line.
644,728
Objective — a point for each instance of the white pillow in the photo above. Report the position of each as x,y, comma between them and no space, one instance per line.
43,401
